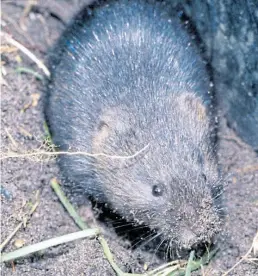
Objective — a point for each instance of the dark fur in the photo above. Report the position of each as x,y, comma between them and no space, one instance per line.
126,76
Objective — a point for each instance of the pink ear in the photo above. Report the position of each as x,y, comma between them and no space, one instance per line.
100,136
191,104
112,121
116,118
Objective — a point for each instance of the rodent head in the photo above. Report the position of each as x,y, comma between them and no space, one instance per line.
173,184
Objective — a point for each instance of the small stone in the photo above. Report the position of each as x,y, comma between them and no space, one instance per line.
19,243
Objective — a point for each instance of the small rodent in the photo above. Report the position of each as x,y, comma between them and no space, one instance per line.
127,80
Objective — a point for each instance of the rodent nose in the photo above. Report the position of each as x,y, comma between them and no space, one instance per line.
188,237
189,211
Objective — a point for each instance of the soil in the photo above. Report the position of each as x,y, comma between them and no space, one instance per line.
22,130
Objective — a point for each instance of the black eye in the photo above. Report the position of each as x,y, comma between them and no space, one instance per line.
204,177
157,190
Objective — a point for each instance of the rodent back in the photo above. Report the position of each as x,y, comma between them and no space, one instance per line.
128,52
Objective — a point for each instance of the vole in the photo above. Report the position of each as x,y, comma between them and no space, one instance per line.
128,82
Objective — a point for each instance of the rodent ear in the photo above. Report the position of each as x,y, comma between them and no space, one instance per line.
190,103
116,119
113,121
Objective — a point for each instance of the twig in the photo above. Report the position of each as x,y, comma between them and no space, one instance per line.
163,268
175,264
23,223
11,138
7,49
247,169
29,5
46,153
7,240
27,52
25,133
48,243
29,71
242,258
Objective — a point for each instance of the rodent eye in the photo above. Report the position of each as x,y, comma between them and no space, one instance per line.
157,190
204,177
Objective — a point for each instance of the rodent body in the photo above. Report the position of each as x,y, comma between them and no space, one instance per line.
128,82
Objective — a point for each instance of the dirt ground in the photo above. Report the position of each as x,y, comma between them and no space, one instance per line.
22,130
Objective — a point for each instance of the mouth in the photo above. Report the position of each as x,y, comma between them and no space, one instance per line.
198,241
175,250
204,248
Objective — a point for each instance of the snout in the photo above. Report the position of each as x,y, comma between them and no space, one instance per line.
201,231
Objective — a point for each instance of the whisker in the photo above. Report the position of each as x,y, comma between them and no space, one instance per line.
156,250
123,225
142,237
133,229
167,251
149,240
171,252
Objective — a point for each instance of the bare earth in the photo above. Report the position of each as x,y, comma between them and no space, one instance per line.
22,130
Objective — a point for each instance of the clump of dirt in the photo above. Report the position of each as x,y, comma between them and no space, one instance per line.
22,130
